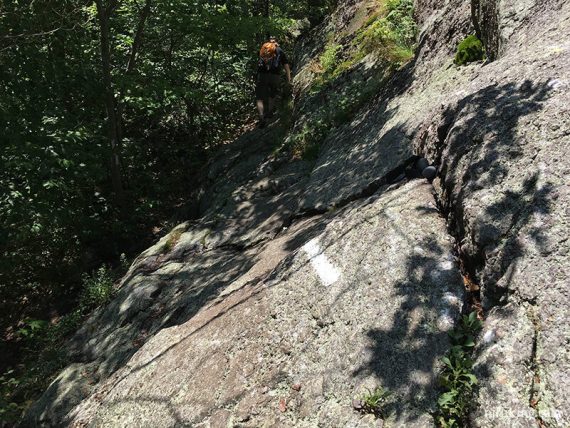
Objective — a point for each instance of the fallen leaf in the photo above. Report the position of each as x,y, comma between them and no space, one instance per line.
469,284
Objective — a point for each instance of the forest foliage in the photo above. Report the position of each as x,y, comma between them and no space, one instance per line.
180,87
108,111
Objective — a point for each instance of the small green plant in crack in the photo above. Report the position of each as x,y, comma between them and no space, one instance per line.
329,57
375,401
457,378
464,334
459,381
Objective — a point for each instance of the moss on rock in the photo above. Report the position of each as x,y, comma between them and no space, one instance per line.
469,50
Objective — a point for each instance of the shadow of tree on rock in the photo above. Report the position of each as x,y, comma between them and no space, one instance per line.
492,192
492,188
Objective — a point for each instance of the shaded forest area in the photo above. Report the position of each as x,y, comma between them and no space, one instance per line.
108,111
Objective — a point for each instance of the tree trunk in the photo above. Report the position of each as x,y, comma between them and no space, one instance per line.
266,8
137,41
104,13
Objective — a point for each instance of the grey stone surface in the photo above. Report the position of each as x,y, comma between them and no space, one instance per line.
68,390
215,324
498,21
349,310
356,156
505,179
508,375
503,147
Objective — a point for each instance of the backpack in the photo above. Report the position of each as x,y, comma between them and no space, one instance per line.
269,57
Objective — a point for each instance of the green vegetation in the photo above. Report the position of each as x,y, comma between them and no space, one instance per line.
391,31
390,34
469,50
98,290
44,350
341,108
329,58
108,112
457,378
401,19
306,143
375,401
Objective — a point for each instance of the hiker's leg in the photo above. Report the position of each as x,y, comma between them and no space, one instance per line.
270,106
273,91
261,108
260,95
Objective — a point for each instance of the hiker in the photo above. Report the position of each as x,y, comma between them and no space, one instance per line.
271,59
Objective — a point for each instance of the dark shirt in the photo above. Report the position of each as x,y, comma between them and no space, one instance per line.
283,60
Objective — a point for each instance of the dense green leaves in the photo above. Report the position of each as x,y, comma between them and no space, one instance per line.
181,77
188,89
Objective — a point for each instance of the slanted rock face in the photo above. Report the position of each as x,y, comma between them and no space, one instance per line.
503,150
496,21
365,302
303,284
